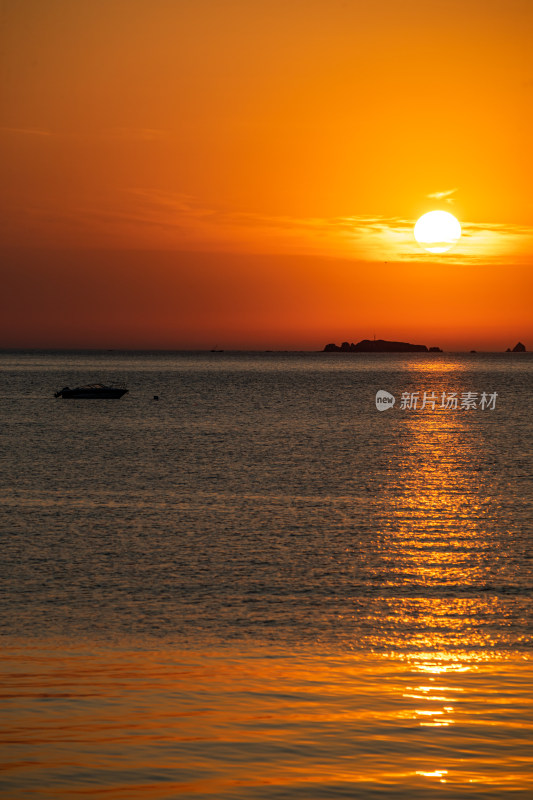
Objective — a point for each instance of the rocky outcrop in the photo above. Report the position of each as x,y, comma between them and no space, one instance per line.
519,348
378,346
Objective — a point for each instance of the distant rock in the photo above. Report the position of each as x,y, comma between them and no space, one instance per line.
473,351
508,350
519,348
379,346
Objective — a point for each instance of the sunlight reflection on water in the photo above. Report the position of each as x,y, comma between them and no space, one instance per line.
259,725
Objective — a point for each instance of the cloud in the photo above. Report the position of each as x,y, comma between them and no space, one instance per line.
442,195
146,218
27,131
181,220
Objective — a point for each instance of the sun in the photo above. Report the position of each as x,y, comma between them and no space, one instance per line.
437,231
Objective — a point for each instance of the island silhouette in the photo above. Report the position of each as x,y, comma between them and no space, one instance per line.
379,346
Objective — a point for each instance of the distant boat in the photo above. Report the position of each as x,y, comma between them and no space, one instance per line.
92,391
216,350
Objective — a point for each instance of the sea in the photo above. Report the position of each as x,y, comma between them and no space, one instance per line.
263,586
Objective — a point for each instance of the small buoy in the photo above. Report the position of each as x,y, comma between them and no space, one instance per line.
156,397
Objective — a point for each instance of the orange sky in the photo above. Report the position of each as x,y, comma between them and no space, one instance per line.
247,173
